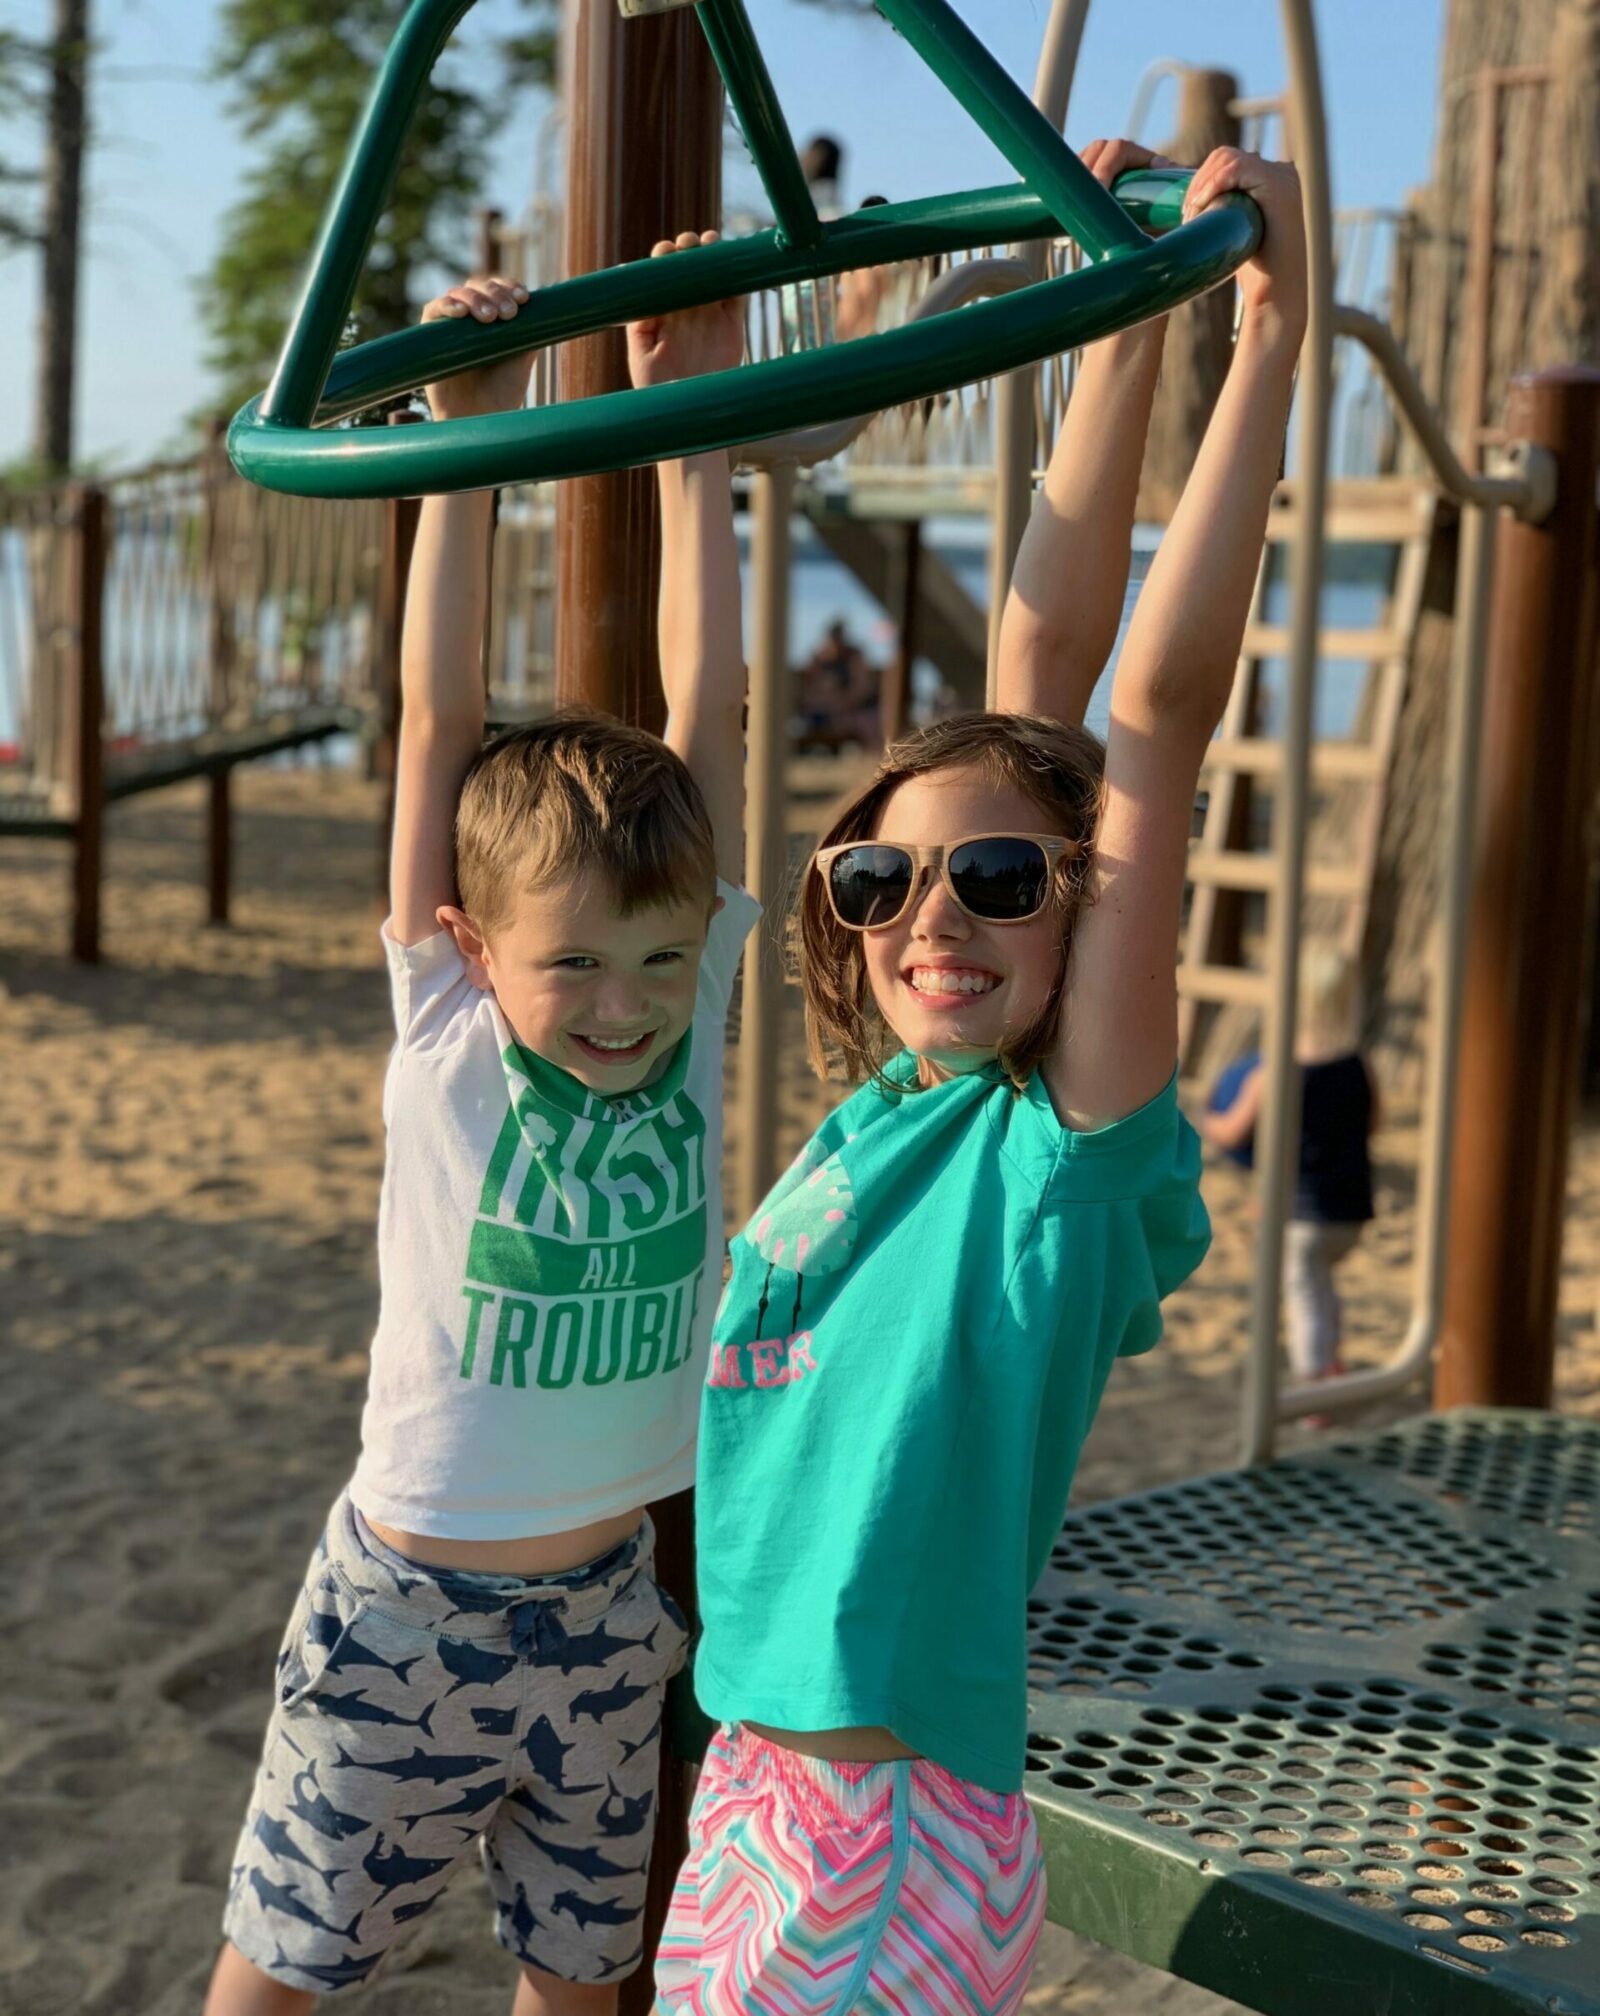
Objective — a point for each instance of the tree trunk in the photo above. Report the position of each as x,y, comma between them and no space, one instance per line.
1199,334
1567,325
63,212
1527,211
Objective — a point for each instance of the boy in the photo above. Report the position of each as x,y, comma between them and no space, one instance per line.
476,1662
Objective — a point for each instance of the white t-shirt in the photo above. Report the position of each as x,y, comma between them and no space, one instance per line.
549,1259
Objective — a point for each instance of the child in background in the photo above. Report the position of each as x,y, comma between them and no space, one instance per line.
923,1315
475,1666
1333,1192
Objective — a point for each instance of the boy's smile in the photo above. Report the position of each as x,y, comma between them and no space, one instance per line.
604,996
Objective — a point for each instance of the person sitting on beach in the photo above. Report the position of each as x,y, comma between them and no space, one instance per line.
838,692
476,1663
1338,1113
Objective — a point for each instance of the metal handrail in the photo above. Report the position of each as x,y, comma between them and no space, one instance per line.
1527,487
1278,1137
1530,490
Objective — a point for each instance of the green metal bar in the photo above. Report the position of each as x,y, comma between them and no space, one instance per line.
273,440
390,365
919,230
728,408
1015,124
363,190
755,100
1153,197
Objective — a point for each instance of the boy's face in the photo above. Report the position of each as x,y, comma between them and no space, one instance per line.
605,997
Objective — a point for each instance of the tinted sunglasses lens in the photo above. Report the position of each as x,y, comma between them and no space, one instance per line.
869,885
1001,879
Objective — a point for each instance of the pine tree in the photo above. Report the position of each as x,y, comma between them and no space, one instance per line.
20,101
301,71
46,82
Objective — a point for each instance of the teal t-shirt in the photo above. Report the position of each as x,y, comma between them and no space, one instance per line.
912,1346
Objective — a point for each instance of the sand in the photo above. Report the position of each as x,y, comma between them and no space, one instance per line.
188,1190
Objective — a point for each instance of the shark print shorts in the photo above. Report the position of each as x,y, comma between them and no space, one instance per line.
424,1716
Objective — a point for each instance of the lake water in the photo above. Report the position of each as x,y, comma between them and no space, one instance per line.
824,592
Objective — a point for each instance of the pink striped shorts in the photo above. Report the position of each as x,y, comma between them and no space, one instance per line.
816,1889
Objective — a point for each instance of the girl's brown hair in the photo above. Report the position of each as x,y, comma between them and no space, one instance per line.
1060,768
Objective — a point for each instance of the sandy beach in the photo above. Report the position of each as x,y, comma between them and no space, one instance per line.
188,1194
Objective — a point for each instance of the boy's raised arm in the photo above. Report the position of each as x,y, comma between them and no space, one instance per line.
441,651
1071,575
702,645
702,651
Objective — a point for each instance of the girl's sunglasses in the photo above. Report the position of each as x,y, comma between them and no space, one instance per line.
1000,878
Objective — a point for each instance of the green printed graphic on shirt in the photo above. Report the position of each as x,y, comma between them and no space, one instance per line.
587,1255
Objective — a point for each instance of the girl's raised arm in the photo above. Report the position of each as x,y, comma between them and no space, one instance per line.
1118,1038
1065,604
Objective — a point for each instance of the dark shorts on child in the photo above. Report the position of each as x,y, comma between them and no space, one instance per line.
423,1717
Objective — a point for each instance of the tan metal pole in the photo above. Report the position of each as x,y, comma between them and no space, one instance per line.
1278,1140
1474,580
1520,1039
1013,394
766,837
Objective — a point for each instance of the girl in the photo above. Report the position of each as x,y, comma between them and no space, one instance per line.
922,1316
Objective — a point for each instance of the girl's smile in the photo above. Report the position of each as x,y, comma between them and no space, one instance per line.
947,983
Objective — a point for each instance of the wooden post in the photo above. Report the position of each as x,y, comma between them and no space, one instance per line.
219,844
644,161
905,567
1199,341
85,593
220,655
766,847
1525,960
489,226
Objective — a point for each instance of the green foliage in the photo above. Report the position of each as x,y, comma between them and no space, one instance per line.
300,72
22,67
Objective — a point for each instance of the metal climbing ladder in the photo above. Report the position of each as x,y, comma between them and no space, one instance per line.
1225,866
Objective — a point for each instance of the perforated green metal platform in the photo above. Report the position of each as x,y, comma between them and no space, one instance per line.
1324,1736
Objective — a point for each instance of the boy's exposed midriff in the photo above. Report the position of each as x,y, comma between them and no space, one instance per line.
538,1554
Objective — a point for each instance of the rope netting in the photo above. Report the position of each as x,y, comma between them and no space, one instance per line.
229,613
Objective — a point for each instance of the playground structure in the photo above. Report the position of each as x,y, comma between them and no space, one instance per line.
232,625
176,622
1529,519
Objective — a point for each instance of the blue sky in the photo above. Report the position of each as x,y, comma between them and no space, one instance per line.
167,161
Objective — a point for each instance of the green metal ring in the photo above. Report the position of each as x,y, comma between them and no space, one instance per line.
286,440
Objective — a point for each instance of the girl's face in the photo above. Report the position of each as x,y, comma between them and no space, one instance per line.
950,986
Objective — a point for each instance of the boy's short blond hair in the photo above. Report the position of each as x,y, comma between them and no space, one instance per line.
578,792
